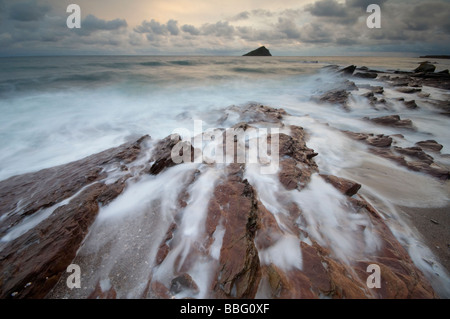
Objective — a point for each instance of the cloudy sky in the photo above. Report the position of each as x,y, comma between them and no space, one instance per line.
218,27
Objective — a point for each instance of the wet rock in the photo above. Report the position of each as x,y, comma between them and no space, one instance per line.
348,70
164,248
234,201
296,159
379,141
181,283
255,113
392,120
334,97
370,139
430,145
345,186
366,75
162,156
409,90
373,89
425,67
98,293
419,161
349,86
411,104
371,97
415,152
43,253
400,83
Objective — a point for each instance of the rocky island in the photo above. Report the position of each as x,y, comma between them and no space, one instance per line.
261,51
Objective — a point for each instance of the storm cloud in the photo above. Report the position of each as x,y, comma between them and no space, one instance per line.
27,11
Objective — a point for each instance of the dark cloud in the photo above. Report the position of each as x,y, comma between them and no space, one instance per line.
363,4
346,41
429,16
333,12
154,29
188,28
27,11
288,28
92,24
219,29
327,8
316,33
262,13
241,16
172,27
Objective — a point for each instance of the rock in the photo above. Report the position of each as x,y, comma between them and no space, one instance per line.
377,89
261,51
349,86
348,70
415,152
424,162
366,75
43,253
162,157
446,72
98,293
345,186
400,82
411,104
430,145
297,163
334,97
239,270
370,139
379,141
425,67
409,90
255,113
181,283
373,89
371,97
392,120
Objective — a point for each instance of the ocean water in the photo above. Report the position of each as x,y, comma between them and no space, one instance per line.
59,109
55,110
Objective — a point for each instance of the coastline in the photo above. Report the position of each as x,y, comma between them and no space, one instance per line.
324,233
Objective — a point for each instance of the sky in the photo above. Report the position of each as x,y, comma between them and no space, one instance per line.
232,27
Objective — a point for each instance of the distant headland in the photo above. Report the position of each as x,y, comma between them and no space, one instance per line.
435,57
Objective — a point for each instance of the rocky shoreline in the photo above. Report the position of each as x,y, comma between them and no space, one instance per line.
45,230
